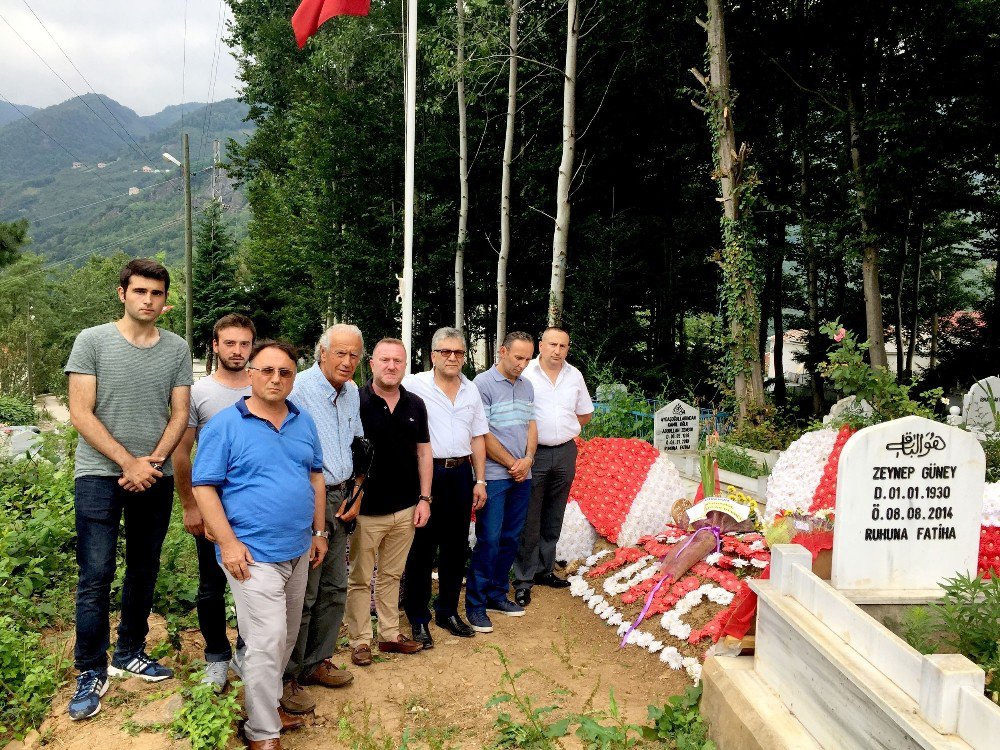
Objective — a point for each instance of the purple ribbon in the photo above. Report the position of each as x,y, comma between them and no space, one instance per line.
716,531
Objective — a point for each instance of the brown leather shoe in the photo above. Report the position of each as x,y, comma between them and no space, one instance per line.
327,675
295,700
271,744
362,655
290,721
402,645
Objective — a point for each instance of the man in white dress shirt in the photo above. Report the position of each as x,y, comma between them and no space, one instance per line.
562,407
457,422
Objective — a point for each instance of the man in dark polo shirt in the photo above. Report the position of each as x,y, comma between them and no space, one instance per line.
396,501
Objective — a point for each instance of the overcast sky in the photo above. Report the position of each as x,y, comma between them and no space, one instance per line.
131,50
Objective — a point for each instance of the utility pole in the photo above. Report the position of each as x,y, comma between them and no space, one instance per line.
27,352
188,251
215,168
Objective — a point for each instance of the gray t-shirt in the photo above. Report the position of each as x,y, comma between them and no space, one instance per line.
209,397
133,391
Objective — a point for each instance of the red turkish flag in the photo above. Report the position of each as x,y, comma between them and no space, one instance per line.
311,14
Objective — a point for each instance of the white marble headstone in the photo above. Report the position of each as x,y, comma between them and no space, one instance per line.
909,506
976,404
675,427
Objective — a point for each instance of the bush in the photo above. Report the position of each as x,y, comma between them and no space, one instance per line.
991,447
739,462
29,676
208,719
14,411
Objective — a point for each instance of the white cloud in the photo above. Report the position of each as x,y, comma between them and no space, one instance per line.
131,50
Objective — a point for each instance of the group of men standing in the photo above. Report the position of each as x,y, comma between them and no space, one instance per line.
305,486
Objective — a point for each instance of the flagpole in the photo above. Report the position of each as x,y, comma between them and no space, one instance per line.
411,117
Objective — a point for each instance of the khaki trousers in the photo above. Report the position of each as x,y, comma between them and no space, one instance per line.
384,540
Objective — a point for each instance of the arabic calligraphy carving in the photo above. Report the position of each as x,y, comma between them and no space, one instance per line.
917,444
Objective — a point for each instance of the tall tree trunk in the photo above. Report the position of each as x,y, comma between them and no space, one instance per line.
915,310
936,275
508,155
560,236
869,257
903,255
463,175
778,353
209,359
738,263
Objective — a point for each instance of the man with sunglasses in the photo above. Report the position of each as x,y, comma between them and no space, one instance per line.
259,486
457,422
328,393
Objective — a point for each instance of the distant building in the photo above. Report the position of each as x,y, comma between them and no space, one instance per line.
133,191
147,170
102,164
78,165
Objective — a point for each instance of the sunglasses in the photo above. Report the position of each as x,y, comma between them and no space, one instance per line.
283,372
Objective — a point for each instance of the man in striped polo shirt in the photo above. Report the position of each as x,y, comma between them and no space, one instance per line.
510,451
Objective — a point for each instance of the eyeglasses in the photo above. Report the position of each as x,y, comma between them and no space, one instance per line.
449,353
283,372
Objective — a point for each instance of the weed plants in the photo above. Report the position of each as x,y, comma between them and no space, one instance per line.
208,719
739,462
14,411
963,621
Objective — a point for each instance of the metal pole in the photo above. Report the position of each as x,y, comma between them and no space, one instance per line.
188,251
411,110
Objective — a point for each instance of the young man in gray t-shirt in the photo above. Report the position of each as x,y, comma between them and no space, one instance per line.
129,384
232,339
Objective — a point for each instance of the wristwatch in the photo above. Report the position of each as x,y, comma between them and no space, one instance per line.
480,481
324,533
426,498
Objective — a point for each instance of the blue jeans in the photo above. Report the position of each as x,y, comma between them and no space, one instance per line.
498,534
100,504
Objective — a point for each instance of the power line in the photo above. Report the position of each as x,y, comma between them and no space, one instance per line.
51,138
214,73
184,57
56,74
89,85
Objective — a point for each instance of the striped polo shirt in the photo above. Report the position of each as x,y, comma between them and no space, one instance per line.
509,408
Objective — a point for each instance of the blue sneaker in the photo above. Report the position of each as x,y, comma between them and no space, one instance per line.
141,666
479,621
506,607
86,701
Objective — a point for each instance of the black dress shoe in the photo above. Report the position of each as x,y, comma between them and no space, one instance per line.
455,625
522,597
422,634
551,580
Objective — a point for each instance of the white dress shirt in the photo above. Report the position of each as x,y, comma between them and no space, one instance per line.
558,404
452,425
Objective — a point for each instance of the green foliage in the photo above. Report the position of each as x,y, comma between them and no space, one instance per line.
850,375
30,674
13,235
208,719
531,727
618,734
739,462
15,411
679,723
963,621
991,447
764,430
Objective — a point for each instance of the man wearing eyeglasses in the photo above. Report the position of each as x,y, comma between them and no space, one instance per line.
326,390
457,423
259,486
562,407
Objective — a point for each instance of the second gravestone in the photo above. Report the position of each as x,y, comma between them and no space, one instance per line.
982,403
909,506
675,427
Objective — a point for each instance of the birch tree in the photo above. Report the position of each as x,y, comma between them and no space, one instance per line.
508,156
463,174
560,235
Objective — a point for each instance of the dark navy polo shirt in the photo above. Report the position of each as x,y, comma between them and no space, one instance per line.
263,478
393,482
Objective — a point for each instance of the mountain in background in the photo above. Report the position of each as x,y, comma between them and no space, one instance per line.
105,186
9,113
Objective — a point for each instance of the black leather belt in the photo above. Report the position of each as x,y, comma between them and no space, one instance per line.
345,486
451,463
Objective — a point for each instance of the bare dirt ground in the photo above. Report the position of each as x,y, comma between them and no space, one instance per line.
437,697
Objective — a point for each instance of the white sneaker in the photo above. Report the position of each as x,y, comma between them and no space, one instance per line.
217,674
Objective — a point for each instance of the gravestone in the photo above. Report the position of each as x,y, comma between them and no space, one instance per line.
977,406
675,427
909,505
848,406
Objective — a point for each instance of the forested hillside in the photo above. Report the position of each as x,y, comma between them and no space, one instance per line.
73,212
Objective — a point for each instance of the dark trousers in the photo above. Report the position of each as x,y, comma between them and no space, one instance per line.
498,530
551,477
212,603
446,538
100,505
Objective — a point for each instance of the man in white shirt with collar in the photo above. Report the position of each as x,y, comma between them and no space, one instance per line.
457,423
562,407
